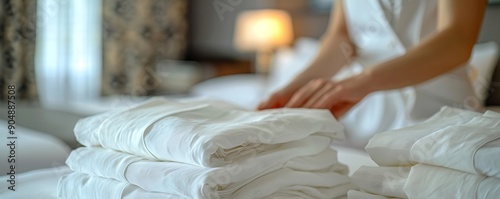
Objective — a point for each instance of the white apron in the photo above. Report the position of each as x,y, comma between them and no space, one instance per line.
385,29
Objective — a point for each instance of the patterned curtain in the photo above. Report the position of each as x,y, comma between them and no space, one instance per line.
136,35
17,48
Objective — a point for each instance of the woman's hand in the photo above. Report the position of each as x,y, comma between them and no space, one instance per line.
280,98
338,97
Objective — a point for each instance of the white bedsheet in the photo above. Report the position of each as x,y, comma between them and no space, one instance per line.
202,134
32,150
40,184
43,183
190,181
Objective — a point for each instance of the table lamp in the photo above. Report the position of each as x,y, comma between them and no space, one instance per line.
263,31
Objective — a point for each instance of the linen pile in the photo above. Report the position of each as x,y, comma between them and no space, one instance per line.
454,154
167,149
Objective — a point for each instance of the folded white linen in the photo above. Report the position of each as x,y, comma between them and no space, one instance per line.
318,185
310,154
487,159
83,186
431,182
492,114
208,135
473,146
457,147
353,194
384,181
392,148
284,181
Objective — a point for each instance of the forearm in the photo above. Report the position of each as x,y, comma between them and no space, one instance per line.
435,56
336,49
459,23
334,53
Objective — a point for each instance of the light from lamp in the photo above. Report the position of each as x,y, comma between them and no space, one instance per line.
259,30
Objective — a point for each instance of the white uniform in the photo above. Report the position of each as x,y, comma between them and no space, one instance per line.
385,29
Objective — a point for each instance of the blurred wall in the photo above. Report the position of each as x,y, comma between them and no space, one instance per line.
211,37
211,30
491,25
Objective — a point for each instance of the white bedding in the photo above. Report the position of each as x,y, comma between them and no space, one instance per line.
207,135
32,150
453,138
189,181
43,183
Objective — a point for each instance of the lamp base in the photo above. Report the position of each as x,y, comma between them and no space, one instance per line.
263,61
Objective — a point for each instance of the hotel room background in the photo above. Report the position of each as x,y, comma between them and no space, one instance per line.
132,37
70,59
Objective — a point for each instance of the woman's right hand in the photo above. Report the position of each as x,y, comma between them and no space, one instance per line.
280,98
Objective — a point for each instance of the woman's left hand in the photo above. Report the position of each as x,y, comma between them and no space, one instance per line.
338,97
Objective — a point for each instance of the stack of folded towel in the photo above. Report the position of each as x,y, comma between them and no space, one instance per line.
455,154
165,149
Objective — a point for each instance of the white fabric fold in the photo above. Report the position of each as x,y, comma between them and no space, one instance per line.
384,181
492,114
284,181
310,154
353,194
456,147
201,134
431,182
392,148
457,139
83,186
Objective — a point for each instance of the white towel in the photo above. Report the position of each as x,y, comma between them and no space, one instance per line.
310,154
202,134
473,146
82,186
431,182
281,182
392,148
457,147
383,181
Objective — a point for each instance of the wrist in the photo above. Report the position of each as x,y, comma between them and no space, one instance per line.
369,80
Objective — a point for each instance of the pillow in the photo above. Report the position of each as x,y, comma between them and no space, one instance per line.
483,60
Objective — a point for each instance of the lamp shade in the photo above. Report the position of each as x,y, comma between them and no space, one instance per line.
263,30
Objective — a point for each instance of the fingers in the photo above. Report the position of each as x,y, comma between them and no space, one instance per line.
313,100
306,92
330,98
271,102
341,109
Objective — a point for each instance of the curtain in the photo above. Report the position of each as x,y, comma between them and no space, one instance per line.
17,48
137,34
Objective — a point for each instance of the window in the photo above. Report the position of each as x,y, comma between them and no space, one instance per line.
68,54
